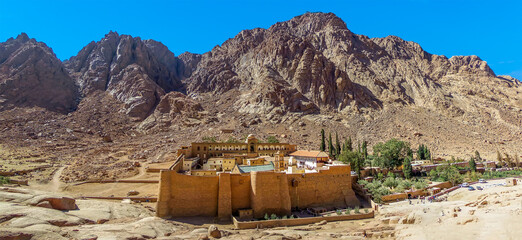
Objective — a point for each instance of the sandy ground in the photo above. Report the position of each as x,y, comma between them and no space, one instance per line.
493,213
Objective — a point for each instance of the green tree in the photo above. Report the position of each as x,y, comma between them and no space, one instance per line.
420,152
477,156
355,159
365,150
272,139
446,172
330,145
472,164
391,154
406,169
349,144
337,145
323,144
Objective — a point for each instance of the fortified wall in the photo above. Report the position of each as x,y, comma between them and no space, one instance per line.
263,192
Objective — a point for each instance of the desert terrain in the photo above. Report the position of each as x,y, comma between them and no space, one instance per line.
123,104
464,215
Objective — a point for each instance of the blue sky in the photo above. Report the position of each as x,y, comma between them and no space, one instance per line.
490,29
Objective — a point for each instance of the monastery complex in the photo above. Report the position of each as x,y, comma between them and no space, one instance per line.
249,180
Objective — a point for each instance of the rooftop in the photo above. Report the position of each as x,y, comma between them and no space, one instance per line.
306,153
258,168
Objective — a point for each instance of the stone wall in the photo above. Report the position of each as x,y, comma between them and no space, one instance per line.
328,188
185,195
264,192
298,221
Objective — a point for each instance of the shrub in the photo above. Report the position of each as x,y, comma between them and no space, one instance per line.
266,216
232,140
209,139
4,180
284,217
338,212
356,209
291,216
362,182
273,216
348,211
380,175
366,210
272,139
391,182
420,184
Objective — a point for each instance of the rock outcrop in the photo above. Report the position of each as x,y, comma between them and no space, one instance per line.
137,73
31,75
173,106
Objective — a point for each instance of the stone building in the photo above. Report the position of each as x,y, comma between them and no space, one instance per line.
206,150
261,192
309,159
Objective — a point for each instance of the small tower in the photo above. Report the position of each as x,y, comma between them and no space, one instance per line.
279,161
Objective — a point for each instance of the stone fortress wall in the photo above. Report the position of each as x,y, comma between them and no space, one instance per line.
263,192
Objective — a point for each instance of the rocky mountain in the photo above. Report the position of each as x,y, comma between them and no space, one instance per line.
313,62
290,80
31,75
136,72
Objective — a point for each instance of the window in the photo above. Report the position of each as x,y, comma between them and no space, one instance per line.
198,148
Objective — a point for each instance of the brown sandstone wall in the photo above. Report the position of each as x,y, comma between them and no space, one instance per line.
193,195
264,192
240,186
331,188
269,194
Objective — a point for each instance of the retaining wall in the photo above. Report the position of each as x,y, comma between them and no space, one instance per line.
298,221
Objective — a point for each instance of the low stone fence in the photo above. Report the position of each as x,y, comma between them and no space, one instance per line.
394,197
441,185
298,221
19,182
141,199
118,181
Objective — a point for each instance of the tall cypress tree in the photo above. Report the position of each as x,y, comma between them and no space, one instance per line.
365,150
330,145
323,144
420,152
349,144
337,145
472,164
427,153
477,156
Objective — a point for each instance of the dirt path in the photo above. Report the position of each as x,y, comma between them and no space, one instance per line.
55,182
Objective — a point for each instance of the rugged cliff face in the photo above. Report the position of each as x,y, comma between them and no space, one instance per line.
31,75
294,78
136,72
313,63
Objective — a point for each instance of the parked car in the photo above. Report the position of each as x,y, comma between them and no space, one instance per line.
482,181
465,185
479,188
470,188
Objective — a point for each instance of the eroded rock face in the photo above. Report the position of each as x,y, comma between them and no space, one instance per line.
314,63
136,72
31,75
172,107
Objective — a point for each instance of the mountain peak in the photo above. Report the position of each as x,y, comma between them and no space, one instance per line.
312,22
22,37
